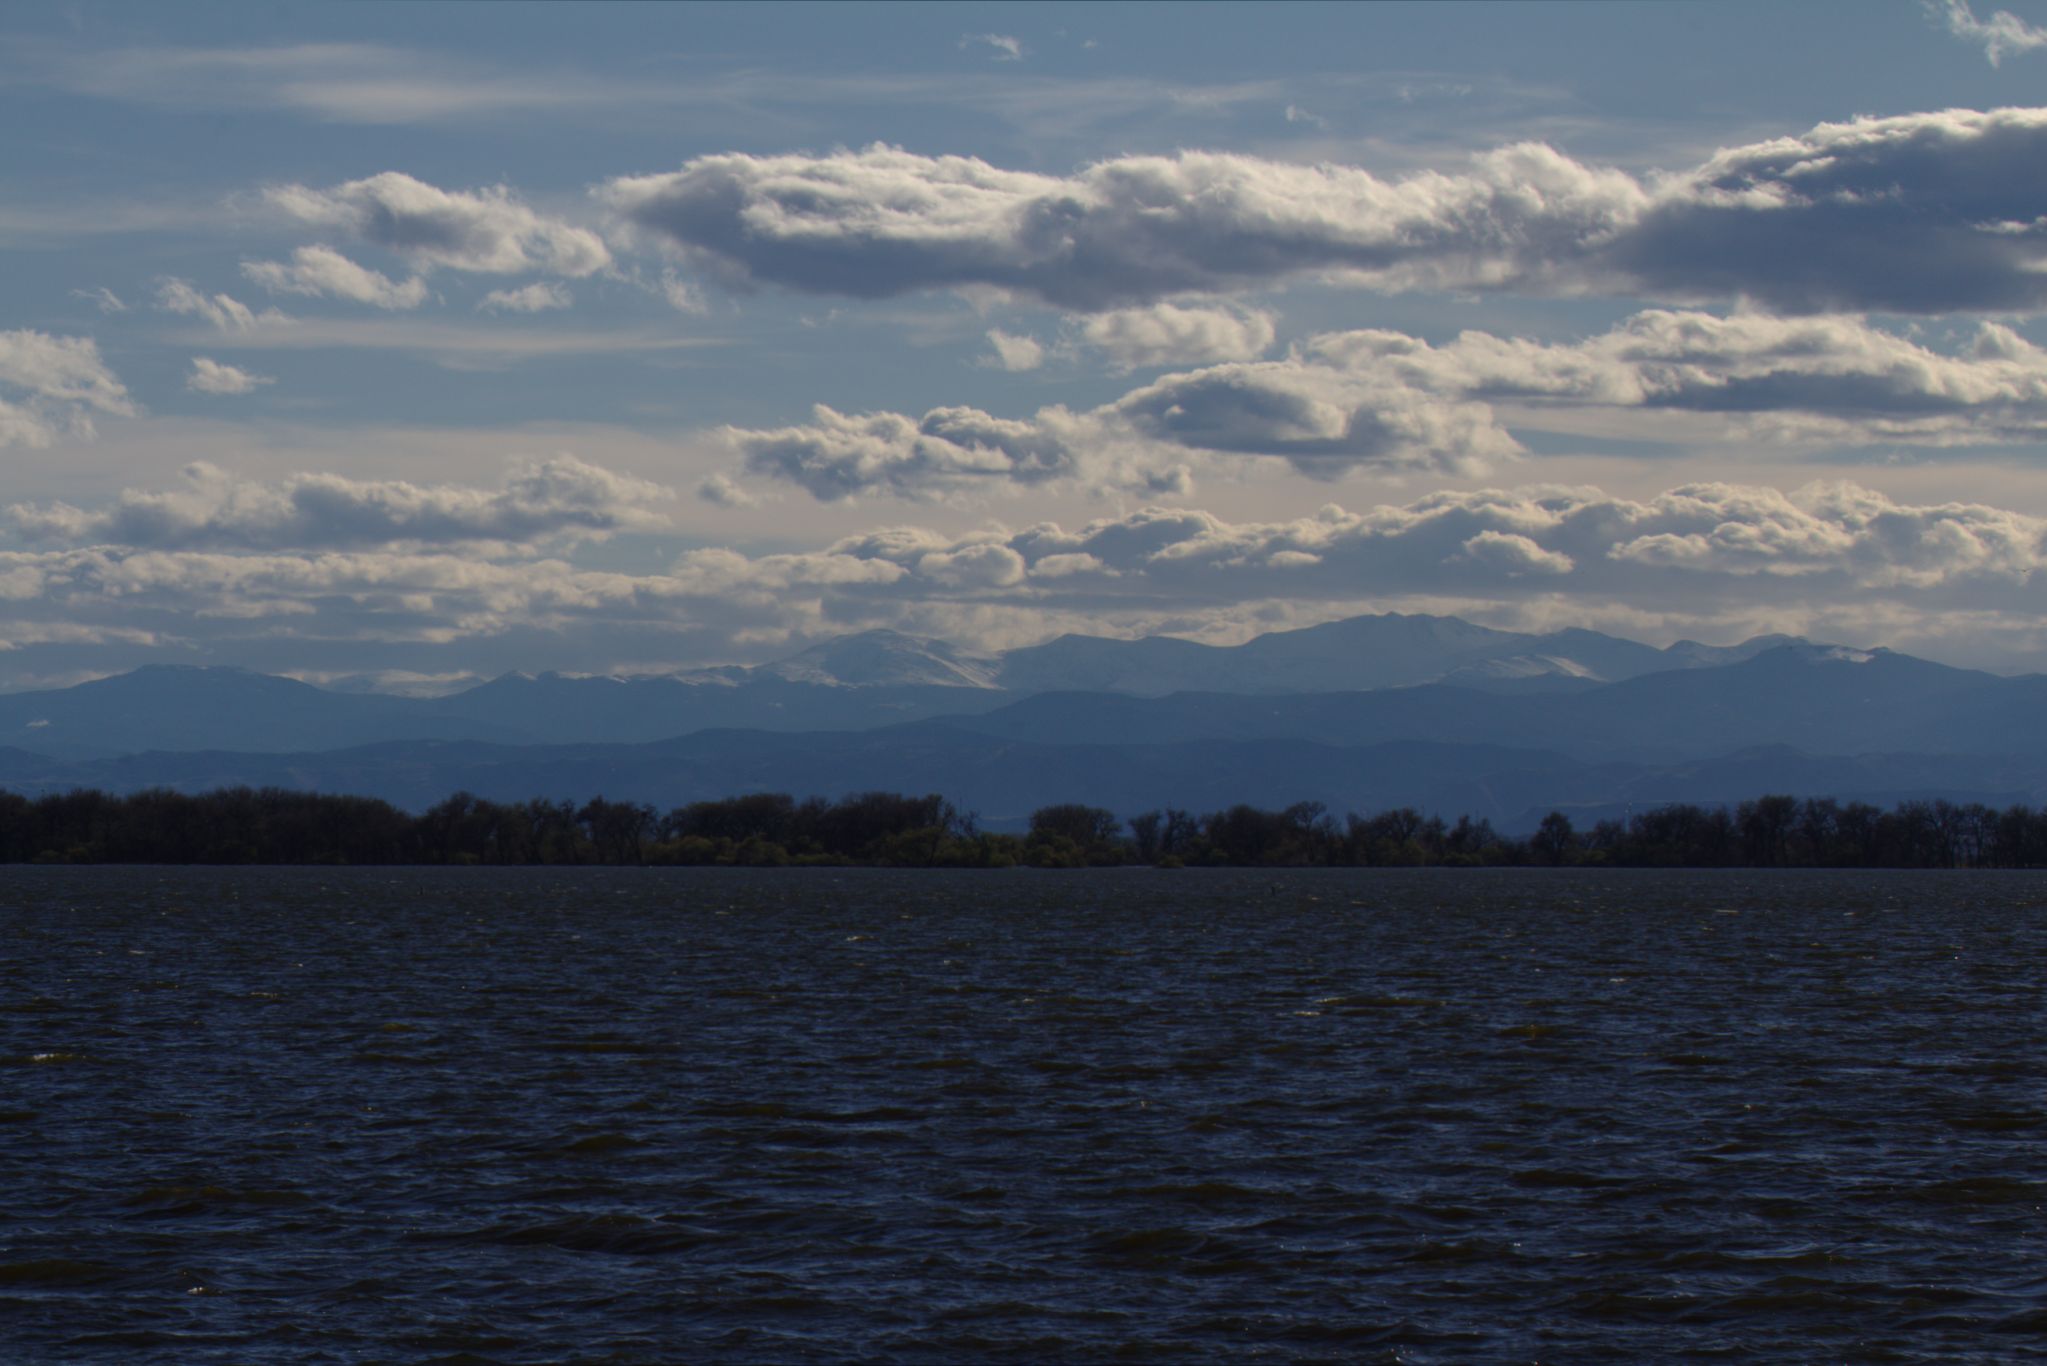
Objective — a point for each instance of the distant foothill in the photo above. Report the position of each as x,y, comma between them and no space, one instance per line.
1369,714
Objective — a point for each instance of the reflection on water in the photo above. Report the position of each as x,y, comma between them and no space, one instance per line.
647,1115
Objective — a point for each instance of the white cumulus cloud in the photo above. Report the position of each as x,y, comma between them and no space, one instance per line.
319,270
403,576
538,297
1507,551
1176,334
212,377
487,230
1342,401
838,455
1698,549
1825,378
56,384
1014,352
223,311
1919,213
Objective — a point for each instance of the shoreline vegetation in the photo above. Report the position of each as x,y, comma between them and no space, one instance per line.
885,829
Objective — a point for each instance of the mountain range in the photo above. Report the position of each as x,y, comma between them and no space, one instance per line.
1358,714
856,682
1381,651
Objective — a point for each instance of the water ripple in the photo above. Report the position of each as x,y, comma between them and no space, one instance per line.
642,1116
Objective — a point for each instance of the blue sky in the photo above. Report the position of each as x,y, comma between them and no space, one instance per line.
421,342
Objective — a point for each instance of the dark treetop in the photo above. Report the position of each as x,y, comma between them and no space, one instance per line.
250,826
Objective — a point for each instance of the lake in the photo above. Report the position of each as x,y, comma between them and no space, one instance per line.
657,1115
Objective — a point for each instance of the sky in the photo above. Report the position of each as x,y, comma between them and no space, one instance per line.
397,345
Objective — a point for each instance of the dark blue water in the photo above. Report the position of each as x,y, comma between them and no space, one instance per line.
303,1115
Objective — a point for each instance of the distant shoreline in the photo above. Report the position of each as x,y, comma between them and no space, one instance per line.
280,828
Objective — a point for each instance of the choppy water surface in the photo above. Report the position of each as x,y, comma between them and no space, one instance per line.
657,1115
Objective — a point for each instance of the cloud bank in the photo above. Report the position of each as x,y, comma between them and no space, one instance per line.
1920,213
1823,540
309,560
1813,379
1376,398
541,501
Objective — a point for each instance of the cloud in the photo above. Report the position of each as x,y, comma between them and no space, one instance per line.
1825,379
541,501
386,85
21,426
537,297
399,583
346,82
1325,420
722,491
680,294
61,369
320,270
981,565
2003,32
1015,353
1373,398
1921,213
1173,334
1507,551
225,312
1747,557
212,377
56,384
486,230
837,455
1696,548
103,298
1833,380
1833,530
454,345
334,605
1285,410
883,221
1006,48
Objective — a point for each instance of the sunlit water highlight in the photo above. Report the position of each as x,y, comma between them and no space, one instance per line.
626,1115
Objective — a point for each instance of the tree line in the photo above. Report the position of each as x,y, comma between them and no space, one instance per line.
249,826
